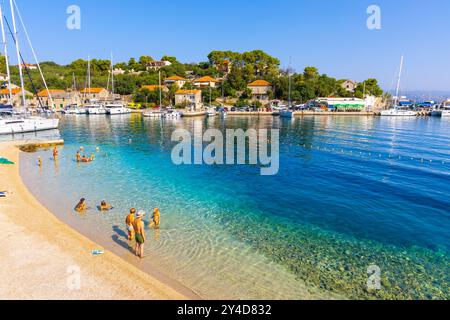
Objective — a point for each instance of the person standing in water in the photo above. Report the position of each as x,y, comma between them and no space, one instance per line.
138,225
55,153
129,221
156,219
78,156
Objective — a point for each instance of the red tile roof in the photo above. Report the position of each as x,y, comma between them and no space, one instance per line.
259,83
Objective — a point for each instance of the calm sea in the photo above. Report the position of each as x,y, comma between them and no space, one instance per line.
352,194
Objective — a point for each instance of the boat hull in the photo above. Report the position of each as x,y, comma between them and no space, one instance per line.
27,125
398,113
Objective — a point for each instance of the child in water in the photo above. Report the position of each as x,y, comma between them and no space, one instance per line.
55,153
156,219
81,206
105,206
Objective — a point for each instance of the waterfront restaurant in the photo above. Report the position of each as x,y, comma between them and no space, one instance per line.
341,104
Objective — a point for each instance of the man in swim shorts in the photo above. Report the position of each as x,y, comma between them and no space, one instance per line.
129,221
139,234
78,156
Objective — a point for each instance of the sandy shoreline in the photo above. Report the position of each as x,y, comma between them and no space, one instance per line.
43,258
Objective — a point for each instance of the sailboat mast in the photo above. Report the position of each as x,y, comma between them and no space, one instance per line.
112,76
290,81
160,89
89,76
18,54
398,82
5,49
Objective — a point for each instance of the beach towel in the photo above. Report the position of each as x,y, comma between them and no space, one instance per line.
5,161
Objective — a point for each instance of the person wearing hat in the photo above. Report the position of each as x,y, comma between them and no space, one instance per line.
139,236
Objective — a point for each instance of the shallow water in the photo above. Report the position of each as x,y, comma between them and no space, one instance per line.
351,192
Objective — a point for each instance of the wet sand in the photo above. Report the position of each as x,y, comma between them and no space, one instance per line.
43,258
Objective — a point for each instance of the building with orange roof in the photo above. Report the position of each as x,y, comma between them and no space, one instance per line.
177,80
190,98
60,98
94,94
260,90
16,95
206,81
153,87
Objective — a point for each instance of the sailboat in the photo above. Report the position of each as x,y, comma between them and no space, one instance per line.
14,125
72,108
115,107
210,111
92,107
288,113
396,109
159,113
443,110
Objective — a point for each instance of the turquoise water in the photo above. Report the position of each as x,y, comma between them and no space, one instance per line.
351,192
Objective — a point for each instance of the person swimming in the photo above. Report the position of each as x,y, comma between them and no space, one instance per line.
129,221
86,159
105,206
81,206
156,219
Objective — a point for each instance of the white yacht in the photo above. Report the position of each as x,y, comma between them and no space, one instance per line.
30,124
172,114
95,109
443,110
397,110
116,108
153,114
211,112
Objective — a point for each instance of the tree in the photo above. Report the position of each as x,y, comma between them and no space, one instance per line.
370,87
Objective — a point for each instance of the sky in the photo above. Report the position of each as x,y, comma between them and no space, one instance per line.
331,35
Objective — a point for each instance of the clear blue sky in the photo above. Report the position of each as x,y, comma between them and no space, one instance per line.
329,34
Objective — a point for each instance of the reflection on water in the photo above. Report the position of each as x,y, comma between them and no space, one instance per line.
351,192
39,135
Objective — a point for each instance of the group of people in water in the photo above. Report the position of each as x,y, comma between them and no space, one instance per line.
78,157
133,222
82,158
